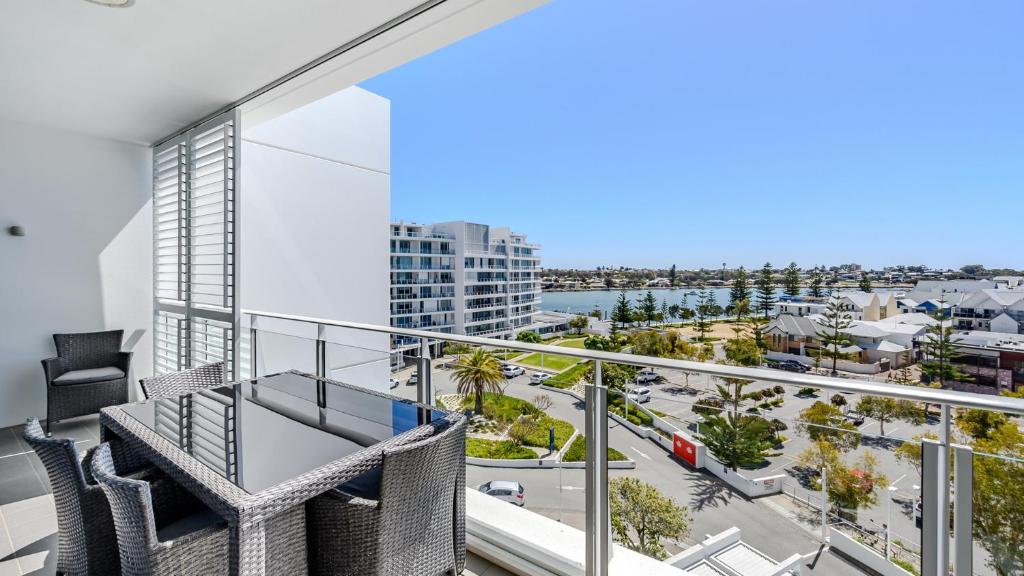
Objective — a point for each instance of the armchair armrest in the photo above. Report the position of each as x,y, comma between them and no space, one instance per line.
124,361
52,369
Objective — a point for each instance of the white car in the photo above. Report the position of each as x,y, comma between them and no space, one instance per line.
414,379
512,492
511,371
394,383
539,377
639,395
646,376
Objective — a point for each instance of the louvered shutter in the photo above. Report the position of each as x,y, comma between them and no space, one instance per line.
195,247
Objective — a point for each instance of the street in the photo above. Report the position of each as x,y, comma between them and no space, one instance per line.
714,507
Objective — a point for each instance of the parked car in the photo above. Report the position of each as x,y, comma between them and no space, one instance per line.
917,512
539,377
512,492
792,366
639,395
394,382
855,418
645,376
511,371
414,379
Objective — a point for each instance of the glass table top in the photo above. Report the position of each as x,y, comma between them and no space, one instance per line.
262,432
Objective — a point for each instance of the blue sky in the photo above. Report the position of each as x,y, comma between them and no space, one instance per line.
647,133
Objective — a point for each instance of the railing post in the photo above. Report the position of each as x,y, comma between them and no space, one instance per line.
943,479
253,358
931,513
963,511
424,388
321,352
598,520
824,505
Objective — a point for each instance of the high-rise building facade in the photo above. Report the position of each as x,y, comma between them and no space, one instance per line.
463,278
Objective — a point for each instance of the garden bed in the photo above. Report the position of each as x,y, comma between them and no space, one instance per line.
577,452
497,450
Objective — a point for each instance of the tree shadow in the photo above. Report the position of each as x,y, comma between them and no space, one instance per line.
681,391
709,492
881,442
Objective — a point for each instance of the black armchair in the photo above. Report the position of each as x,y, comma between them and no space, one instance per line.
88,373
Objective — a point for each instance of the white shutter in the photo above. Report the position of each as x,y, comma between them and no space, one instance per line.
195,247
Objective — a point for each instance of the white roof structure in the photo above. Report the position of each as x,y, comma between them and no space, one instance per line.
866,330
912,318
859,299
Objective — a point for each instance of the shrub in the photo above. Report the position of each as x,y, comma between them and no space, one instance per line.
539,435
710,406
497,450
777,402
753,410
756,396
779,389
765,405
767,393
808,391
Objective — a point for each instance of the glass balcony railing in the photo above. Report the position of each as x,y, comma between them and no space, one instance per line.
866,466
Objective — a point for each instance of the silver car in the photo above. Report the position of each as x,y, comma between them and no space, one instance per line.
512,492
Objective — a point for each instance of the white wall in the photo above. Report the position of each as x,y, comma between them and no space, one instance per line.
315,215
84,263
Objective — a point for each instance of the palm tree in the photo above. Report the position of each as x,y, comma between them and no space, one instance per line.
477,373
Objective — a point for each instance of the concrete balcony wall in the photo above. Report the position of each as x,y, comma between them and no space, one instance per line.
85,262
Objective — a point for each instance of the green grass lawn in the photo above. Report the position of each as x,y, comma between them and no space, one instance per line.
552,362
570,377
578,452
573,343
539,438
500,407
497,450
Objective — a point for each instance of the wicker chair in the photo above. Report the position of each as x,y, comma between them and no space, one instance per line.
89,372
405,523
178,383
86,542
195,544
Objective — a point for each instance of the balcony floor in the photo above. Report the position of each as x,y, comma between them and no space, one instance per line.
28,520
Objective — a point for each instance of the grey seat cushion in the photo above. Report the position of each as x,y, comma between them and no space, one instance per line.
188,525
90,375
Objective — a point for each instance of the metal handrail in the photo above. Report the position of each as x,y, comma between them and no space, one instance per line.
914,393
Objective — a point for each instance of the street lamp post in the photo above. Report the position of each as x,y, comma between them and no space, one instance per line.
888,521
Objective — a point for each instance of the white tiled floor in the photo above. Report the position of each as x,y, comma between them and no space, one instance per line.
28,520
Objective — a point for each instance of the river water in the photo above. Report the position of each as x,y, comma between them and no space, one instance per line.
584,301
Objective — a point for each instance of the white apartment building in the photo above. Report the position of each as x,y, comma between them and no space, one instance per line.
463,278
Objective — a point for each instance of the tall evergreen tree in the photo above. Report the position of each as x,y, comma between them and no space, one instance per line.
939,350
791,280
705,302
672,277
833,338
816,288
622,313
739,292
765,287
664,310
648,307
865,282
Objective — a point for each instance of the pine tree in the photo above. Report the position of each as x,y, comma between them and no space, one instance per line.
739,292
648,307
705,301
672,275
765,285
791,280
816,289
664,310
939,350
622,313
833,338
865,282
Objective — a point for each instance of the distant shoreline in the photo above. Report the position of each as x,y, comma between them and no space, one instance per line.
752,287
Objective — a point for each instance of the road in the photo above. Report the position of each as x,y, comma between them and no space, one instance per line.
558,493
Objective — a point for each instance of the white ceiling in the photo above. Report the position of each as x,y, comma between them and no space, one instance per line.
138,74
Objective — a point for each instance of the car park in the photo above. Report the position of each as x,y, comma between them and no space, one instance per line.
639,395
539,377
509,491
511,371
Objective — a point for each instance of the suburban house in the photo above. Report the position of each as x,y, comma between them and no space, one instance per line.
890,342
868,305
930,306
799,308
992,310
994,361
